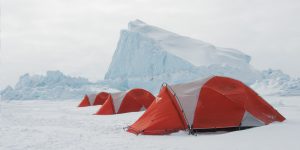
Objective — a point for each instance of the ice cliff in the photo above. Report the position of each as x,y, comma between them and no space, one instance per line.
147,55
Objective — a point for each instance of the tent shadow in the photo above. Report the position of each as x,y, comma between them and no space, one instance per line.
217,131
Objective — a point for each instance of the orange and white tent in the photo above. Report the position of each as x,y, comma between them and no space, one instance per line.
94,99
130,101
207,104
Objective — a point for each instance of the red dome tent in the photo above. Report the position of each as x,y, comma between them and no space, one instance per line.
94,99
129,101
212,103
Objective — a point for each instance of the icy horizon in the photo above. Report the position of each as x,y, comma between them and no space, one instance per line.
38,39
147,56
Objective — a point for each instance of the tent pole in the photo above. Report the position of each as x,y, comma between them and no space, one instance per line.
177,99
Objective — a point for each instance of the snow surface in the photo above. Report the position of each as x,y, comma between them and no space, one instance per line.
52,125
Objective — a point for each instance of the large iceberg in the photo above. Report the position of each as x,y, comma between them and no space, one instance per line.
147,56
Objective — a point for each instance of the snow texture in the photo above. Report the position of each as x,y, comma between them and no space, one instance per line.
53,125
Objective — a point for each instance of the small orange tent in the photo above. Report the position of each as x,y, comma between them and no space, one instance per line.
211,103
129,101
94,99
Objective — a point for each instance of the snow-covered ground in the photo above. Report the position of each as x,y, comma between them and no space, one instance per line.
41,124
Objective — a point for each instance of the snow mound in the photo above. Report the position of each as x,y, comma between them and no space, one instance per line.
146,56
54,85
275,82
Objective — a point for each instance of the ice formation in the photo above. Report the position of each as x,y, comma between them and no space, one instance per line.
54,85
147,56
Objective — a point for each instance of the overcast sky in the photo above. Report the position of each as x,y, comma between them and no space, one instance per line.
79,37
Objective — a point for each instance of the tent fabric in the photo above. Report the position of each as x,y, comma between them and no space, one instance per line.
188,95
94,99
87,100
107,108
117,99
129,101
162,117
211,103
84,102
250,121
101,98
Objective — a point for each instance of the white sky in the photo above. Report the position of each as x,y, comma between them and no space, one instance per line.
79,37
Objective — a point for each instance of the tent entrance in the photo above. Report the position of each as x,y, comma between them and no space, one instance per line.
229,129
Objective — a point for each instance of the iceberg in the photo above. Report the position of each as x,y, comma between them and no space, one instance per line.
275,82
54,85
146,56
